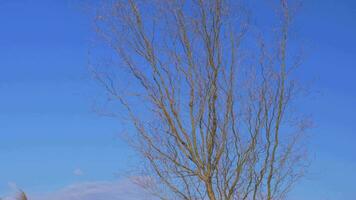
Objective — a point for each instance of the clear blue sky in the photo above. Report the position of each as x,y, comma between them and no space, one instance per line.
49,134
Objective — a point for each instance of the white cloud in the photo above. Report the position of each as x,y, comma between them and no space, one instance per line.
12,185
8,198
78,172
100,190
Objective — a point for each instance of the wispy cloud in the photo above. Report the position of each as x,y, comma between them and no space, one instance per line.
99,190
78,172
12,185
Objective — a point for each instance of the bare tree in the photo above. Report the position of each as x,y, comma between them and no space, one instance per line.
210,104
22,195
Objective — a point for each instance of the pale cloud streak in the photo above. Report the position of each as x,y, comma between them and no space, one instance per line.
78,172
99,190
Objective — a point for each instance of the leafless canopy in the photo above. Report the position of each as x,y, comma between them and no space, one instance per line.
209,102
21,195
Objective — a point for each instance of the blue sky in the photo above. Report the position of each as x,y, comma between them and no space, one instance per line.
49,133
47,125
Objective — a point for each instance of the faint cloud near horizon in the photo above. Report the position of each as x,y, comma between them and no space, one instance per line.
12,185
78,172
98,190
